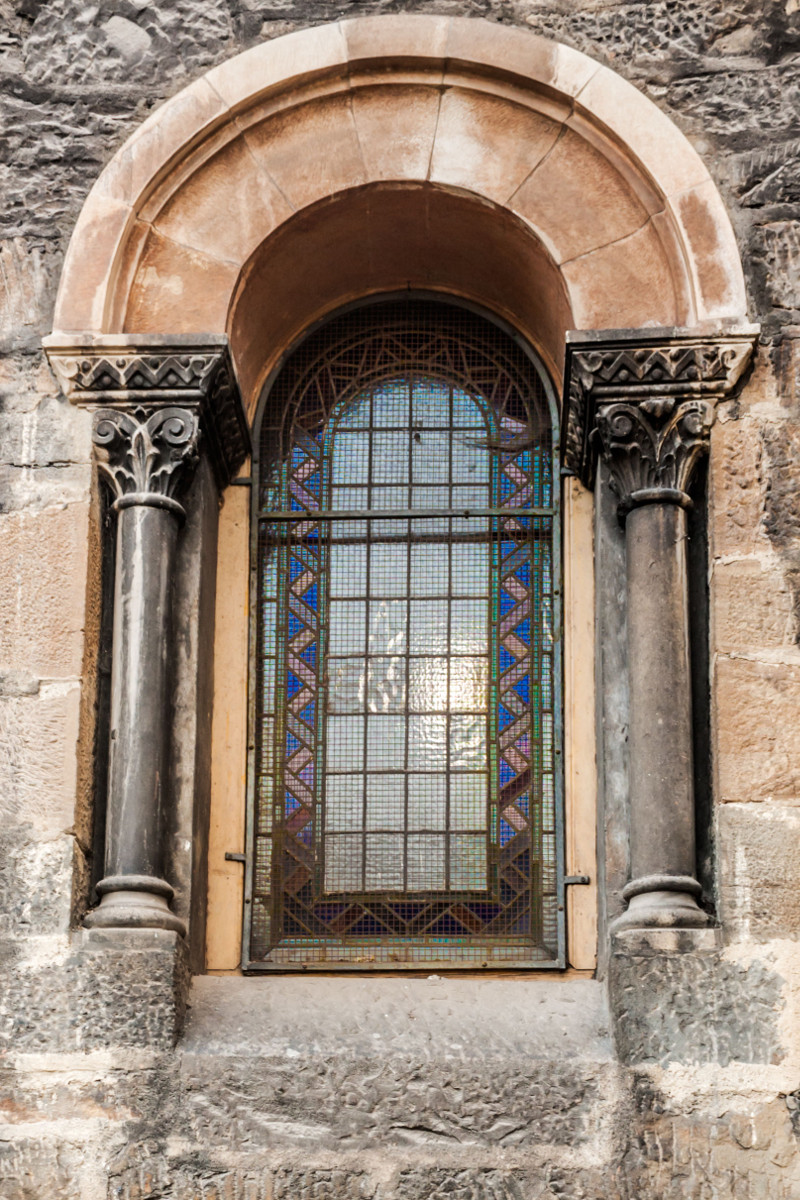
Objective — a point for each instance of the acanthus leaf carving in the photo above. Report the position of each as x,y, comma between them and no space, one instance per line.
654,445
147,454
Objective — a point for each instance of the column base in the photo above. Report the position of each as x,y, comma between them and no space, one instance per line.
134,902
661,902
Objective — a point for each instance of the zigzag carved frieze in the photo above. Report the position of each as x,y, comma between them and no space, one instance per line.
689,366
139,372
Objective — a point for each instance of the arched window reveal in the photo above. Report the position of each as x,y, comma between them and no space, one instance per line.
406,791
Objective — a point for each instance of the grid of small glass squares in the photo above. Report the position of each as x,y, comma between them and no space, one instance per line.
406,785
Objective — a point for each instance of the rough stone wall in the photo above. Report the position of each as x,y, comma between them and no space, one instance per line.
702,1097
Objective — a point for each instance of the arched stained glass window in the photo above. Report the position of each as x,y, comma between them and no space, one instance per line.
405,803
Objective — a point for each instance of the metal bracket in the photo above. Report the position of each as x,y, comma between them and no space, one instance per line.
568,880
230,857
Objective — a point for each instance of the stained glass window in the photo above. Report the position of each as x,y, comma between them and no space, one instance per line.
405,802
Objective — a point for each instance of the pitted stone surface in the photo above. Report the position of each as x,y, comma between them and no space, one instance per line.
692,1006
387,1062
89,991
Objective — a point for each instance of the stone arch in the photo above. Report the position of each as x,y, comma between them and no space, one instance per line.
392,151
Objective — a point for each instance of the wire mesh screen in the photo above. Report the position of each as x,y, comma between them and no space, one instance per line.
406,791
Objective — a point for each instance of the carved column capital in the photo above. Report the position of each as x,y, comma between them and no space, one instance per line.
645,400
142,375
147,456
652,447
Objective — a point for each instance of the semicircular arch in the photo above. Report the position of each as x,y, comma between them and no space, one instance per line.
456,132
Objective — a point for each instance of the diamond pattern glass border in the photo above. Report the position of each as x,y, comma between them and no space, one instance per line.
322,893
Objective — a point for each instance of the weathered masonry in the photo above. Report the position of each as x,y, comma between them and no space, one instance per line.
400,676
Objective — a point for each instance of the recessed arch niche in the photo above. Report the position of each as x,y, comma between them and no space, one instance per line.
444,154
477,135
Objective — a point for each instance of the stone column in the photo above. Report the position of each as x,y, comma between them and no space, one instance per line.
645,400
148,462
156,409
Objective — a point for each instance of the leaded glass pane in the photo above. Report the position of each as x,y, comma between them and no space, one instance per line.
406,788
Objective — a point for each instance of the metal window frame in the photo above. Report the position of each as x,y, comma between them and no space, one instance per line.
250,966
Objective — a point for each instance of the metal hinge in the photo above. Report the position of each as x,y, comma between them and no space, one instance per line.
231,857
569,879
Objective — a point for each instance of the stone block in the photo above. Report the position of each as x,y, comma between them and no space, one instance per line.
486,145
178,289
782,464
382,1065
769,173
99,989
40,1166
202,218
752,608
729,105
735,1148
311,151
180,38
44,559
684,1003
467,1184
413,113
645,36
759,870
387,1102
577,199
30,489
400,35
38,759
607,285
28,278
786,358
309,1184
713,251
266,65
36,878
777,246
25,380
52,433
736,489
757,748
52,173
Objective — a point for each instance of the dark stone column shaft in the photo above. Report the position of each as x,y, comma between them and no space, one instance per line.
660,732
651,448
138,759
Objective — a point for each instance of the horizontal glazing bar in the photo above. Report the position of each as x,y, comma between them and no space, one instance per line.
398,514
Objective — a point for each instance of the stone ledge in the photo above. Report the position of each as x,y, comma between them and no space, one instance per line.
453,1017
